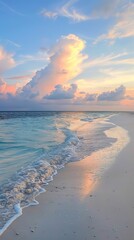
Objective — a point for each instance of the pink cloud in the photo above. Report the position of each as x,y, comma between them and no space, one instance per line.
66,59
124,26
6,60
5,88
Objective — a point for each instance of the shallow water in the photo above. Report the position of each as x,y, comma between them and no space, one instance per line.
34,145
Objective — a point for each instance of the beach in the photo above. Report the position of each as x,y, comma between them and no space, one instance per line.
89,199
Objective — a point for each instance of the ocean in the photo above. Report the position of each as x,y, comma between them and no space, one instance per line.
35,145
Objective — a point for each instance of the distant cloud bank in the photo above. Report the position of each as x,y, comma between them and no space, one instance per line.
52,84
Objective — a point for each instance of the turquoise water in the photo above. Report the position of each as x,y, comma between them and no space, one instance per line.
24,140
34,145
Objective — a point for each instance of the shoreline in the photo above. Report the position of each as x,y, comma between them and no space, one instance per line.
67,203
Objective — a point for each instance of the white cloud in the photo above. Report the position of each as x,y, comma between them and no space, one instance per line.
65,64
104,9
41,56
110,59
68,11
124,26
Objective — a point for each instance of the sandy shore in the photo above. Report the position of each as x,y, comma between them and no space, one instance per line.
77,206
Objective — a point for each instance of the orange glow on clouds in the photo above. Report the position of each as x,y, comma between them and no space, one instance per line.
65,64
5,88
6,60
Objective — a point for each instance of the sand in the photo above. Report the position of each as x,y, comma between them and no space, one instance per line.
78,206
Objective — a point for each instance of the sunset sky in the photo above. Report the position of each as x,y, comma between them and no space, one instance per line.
67,55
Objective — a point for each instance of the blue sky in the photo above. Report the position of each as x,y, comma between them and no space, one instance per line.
30,34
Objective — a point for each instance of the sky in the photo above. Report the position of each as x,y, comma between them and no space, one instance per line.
67,55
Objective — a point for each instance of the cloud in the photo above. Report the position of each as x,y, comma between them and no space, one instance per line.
5,88
61,93
105,9
2,85
13,43
124,26
117,95
40,56
82,92
129,97
65,63
22,80
112,76
49,14
66,60
65,100
16,102
110,59
90,97
20,77
68,11
6,60
9,8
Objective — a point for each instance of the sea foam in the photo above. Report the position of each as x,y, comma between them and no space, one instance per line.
22,188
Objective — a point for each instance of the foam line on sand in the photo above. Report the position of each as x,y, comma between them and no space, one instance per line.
79,206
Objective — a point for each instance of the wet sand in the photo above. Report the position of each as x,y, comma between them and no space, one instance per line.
79,206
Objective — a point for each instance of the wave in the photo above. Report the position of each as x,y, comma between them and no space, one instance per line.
20,191
30,181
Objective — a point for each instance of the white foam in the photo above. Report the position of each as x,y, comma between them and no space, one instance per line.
65,155
109,154
18,210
